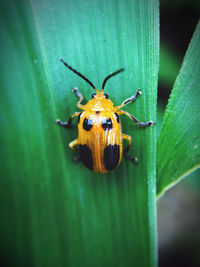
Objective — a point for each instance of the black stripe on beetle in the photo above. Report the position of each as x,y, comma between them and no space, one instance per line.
86,156
79,117
87,124
106,124
117,117
111,157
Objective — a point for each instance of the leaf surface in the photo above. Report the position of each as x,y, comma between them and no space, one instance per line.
178,149
56,212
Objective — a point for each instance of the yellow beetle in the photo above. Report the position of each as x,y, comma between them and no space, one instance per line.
100,137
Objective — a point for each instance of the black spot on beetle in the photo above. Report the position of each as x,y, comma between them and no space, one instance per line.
97,112
86,156
87,124
79,117
117,117
111,157
93,95
106,124
105,95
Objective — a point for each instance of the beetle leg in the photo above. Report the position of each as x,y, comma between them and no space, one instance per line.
79,96
143,124
126,154
72,145
129,139
129,157
67,124
130,99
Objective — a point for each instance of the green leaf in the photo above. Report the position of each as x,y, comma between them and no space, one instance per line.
178,150
56,212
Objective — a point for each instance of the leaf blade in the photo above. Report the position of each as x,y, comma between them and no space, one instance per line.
68,210
179,139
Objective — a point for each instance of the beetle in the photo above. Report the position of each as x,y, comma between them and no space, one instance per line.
100,137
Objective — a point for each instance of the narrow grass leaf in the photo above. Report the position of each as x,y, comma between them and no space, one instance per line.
178,149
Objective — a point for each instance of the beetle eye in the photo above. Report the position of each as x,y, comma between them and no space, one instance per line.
93,95
105,95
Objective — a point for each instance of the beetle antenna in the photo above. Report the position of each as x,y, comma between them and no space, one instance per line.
109,76
78,73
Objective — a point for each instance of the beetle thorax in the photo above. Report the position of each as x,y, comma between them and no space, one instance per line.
99,102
